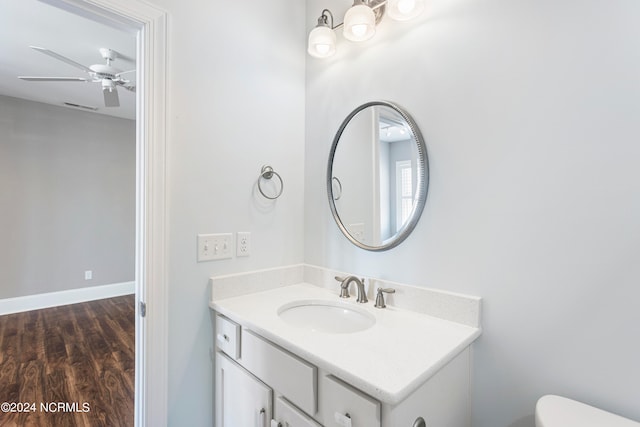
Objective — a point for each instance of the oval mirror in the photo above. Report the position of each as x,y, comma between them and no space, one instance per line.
377,176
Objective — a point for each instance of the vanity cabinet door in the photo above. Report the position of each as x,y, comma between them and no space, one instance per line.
288,415
240,399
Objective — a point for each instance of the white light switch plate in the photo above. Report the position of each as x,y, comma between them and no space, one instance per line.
215,246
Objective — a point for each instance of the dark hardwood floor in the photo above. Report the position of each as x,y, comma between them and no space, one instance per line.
69,366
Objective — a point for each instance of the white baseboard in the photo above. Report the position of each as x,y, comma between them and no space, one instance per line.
71,296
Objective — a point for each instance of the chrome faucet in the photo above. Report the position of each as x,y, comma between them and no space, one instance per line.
344,288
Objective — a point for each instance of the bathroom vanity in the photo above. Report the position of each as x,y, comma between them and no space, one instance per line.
296,354
294,348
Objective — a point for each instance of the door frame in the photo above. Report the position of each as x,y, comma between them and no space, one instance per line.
149,24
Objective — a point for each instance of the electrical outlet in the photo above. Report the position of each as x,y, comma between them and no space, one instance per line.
215,246
243,244
88,275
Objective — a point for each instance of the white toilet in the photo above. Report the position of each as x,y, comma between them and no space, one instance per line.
557,411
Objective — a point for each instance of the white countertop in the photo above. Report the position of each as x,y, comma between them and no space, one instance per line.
387,361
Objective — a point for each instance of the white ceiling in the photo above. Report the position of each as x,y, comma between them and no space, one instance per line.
30,22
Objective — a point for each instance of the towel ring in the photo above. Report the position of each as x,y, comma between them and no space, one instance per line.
337,197
267,172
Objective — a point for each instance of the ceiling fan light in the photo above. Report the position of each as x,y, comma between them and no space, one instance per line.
359,22
403,10
108,84
322,42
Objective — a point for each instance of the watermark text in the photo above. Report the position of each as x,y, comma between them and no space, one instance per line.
46,407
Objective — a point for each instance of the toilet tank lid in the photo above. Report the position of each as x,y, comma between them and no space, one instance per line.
557,411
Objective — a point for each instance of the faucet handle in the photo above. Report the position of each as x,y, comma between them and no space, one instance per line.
380,298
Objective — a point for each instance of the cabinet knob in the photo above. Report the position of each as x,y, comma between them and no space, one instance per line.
342,420
262,418
419,422
223,338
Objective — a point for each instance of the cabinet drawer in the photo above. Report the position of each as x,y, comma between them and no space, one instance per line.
287,415
290,376
227,336
338,399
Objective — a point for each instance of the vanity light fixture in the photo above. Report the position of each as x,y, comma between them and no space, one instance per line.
322,39
359,23
403,10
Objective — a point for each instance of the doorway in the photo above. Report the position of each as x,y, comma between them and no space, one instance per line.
149,24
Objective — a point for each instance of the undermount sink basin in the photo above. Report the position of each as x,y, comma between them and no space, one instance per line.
326,316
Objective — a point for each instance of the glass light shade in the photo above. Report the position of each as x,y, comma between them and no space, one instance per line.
402,10
322,42
359,23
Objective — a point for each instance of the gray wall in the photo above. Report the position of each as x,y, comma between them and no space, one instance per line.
67,198
236,102
530,111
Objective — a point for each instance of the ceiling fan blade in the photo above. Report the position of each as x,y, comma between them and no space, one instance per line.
131,88
61,58
110,97
52,79
125,72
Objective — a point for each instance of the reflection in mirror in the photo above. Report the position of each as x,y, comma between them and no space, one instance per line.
377,176
337,188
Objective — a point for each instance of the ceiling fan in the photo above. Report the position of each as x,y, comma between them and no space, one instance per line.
108,76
